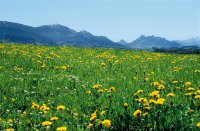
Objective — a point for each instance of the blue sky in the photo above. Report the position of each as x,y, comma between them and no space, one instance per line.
116,19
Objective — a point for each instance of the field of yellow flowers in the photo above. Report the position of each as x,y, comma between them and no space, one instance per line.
68,88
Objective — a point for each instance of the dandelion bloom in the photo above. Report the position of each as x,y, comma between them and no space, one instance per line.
197,97
100,91
198,124
35,106
60,107
107,123
54,118
188,83
170,94
62,128
174,82
160,86
137,113
138,92
103,112
10,129
160,101
145,114
125,104
155,94
46,123
112,89
96,86
90,124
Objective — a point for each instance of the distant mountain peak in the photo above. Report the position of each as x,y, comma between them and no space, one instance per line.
122,42
147,42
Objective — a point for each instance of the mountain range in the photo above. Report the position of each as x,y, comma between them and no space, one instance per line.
57,34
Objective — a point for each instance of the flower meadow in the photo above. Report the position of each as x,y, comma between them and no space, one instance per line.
69,88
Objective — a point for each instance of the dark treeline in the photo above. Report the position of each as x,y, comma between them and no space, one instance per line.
182,50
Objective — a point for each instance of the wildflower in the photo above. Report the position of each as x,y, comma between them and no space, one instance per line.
145,114
147,108
188,94
93,115
197,71
152,101
10,120
142,100
138,92
170,94
10,129
190,89
62,128
155,94
149,59
112,89
160,101
35,106
100,91
160,86
46,123
188,83
103,112
125,104
90,124
103,64
155,83
137,113
174,82
24,113
89,92
198,91
107,123
44,108
197,97
54,118
198,124
60,107
96,86
64,67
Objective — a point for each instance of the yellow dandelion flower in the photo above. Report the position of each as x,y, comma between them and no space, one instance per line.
160,101
138,92
54,118
125,104
197,97
145,114
188,83
190,89
90,124
160,86
155,94
62,128
10,129
92,118
174,82
46,123
60,107
103,112
100,91
10,120
35,106
137,113
96,86
107,123
89,92
198,124
112,88
170,94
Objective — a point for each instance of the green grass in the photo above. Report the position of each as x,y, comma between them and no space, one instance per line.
66,75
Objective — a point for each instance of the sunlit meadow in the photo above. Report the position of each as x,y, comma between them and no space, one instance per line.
68,88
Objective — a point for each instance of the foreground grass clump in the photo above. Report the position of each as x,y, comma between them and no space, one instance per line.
67,88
